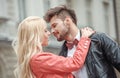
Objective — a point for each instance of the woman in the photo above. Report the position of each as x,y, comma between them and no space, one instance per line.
33,62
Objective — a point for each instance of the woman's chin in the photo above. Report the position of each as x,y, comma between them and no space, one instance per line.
44,45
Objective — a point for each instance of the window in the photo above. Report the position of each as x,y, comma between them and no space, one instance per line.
46,5
3,7
69,3
106,15
89,12
3,13
22,9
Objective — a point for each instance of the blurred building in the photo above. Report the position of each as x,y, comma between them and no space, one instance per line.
116,5
117,18
98,14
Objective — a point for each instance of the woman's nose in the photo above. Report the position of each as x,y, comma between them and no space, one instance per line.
49,33
52,30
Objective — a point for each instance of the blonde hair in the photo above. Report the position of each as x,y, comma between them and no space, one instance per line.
28,43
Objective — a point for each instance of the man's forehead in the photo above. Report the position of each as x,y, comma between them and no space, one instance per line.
55,18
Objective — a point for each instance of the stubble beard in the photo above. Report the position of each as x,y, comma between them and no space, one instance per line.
62,37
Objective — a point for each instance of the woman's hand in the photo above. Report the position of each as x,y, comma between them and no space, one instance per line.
87,32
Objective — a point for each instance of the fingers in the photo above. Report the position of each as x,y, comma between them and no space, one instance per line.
87,29
86,32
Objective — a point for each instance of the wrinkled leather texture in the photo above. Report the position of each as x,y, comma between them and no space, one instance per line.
103,55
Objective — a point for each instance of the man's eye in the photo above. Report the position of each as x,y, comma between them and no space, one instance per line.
54,25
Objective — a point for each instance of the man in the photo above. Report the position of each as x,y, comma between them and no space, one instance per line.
103,55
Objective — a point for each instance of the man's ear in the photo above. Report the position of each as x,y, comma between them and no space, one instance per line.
67,21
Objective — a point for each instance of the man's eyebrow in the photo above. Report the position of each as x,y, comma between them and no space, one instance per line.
53,24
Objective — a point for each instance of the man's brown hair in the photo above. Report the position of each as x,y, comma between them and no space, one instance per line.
61,12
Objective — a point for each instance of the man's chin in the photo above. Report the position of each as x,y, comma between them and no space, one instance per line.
60,39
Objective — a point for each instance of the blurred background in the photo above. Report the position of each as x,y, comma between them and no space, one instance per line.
102,15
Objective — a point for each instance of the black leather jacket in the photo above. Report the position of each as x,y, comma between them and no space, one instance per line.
103,55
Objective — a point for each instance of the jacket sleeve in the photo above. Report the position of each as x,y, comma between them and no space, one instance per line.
50,63
111,50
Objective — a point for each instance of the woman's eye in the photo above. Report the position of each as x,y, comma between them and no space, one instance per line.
46,30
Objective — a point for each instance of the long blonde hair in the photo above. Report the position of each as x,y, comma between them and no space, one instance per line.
28,43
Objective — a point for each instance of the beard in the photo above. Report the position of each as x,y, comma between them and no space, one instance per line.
60,39
62,36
